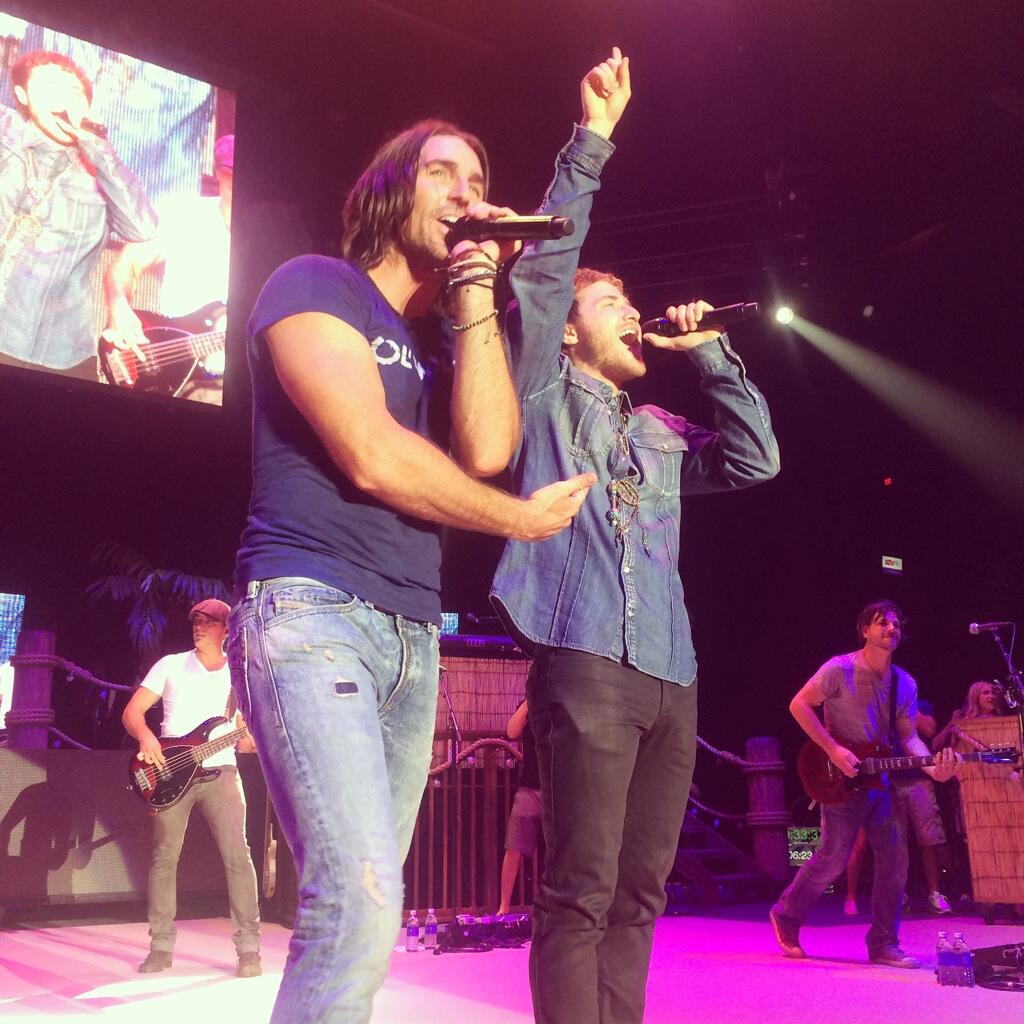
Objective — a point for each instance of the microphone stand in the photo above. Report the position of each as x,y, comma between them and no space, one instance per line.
1014,694
454,743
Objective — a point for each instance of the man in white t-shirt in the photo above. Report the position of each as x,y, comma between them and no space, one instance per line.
195,686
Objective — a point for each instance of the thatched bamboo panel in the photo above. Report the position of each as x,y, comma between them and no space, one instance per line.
993,807
484,692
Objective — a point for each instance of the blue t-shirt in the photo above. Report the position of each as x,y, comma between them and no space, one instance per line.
306,518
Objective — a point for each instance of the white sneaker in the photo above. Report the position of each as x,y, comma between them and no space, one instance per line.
850,908
938,904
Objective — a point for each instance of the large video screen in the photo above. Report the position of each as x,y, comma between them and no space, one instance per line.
115,216
12,613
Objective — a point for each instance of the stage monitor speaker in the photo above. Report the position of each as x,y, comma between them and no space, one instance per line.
71,832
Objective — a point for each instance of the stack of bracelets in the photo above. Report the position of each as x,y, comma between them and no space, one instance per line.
476,268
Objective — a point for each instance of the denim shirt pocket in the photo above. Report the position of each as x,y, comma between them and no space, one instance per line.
583,420
79,208
661,457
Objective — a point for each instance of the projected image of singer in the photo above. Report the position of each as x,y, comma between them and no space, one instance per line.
191,251
63,189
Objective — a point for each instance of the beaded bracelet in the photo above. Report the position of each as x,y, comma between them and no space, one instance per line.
471,277
459,328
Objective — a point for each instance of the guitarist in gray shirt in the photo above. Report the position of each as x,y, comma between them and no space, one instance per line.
860,705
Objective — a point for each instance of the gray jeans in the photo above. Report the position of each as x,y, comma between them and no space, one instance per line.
840,823
223,805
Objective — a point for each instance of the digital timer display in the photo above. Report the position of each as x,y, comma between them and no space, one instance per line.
802,844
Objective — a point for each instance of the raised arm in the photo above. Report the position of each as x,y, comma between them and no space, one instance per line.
328,371
486,427
742,449
542,281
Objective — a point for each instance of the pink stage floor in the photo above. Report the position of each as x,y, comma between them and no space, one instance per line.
722,969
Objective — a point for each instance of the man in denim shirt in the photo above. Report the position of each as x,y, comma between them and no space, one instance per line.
62,190
613,700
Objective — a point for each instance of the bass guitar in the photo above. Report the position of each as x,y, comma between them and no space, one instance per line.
163,787
826,784
179,351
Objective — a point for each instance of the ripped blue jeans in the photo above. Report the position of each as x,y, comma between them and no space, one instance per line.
341,699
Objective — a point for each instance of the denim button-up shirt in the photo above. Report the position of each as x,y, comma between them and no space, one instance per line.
45,285
591,588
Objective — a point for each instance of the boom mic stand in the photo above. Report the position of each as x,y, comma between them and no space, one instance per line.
454,744
1014,692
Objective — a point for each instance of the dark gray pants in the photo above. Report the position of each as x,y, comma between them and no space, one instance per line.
616,751
223,805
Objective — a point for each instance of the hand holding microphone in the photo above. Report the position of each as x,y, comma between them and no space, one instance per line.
85,126
683,327
721,317
506,224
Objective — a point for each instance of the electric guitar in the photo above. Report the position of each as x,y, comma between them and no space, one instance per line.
826,784
163,787
179,350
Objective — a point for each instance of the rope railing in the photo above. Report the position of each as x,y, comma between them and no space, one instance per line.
67,739
41,717
727,815
72,670
724,755
468,752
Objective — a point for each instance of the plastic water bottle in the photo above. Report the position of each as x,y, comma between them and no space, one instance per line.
947,962
430,930
412,934
964,961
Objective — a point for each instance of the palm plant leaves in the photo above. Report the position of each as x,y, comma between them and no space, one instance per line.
155,594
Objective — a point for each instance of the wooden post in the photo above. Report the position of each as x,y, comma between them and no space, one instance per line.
768,817
31,712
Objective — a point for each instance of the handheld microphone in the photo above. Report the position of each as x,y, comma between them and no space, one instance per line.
93,127
986,627
520,228
665,328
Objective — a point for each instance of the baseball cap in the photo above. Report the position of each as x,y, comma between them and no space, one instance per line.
211,607
224,152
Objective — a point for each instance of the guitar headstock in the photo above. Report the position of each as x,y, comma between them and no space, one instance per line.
999,755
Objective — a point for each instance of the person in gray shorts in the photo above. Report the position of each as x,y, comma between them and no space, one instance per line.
914,796
522,834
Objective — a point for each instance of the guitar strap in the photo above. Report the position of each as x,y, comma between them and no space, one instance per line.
894,685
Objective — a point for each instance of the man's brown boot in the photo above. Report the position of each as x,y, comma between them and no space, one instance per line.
158,960
249,965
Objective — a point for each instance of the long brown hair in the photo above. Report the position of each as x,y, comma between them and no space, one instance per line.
381,200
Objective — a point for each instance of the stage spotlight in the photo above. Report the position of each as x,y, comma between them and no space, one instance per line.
784,315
